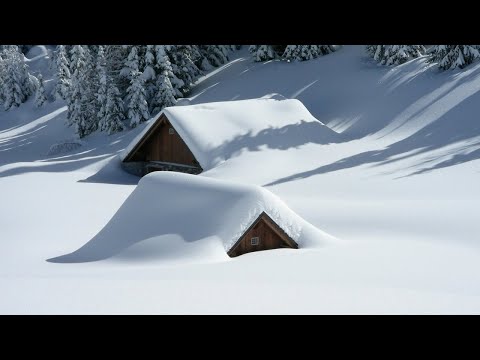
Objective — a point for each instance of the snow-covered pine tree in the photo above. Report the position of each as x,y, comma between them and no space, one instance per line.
11,90
63,77
137,104
149,74
213,55
325,49
291,52
81,105
195,55
414,51
40,97
17,81
91,88
2,75
165,94
141,52
261,52
453,56
136,97
306,52
399,54
77,65
115,56
101,93
377,52
394,54
183,67
112,120
163,64
130,63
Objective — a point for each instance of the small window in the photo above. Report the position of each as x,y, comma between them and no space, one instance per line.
171,131
255,240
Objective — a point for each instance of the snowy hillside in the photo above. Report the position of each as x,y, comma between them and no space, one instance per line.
398,189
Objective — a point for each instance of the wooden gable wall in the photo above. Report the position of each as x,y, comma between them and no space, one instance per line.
269,234
163,143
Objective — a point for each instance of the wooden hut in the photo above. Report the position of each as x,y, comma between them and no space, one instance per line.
263,234
161,148
196,138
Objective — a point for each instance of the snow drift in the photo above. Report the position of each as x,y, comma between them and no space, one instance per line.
194,208
214,132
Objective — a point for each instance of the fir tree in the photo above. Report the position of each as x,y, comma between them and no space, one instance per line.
212,55
137,104
136,96
325,49
292,52
394,54
454,56
13,94
130,62
163,64
183,67
306,52
40,97
399,54
17,81
115,56
91,85
262,52
112,120
101,93
165,94
2,75
81,107
63,77
376,52
149,74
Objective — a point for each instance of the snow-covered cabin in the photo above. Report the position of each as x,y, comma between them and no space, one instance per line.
195,138
182,215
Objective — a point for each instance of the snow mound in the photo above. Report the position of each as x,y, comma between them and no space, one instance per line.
196,209
274,96
37,51
182,102
217,131
65,147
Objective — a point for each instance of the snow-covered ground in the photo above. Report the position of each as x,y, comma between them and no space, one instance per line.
399,190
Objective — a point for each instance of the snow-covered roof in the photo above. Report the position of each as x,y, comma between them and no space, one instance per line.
194,208
217,131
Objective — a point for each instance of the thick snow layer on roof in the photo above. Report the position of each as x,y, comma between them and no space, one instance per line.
194,208
217,131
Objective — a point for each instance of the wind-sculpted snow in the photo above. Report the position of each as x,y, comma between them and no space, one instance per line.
196,209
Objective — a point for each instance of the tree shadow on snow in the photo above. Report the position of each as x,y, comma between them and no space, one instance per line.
24,148
453,138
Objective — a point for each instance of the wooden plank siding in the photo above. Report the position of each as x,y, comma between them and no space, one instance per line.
270,235
167,146
160,144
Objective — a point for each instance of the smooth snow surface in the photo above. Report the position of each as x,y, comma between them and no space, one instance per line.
399,191
214,132
174,204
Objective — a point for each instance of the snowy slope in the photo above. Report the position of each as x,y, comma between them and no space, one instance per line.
400,190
